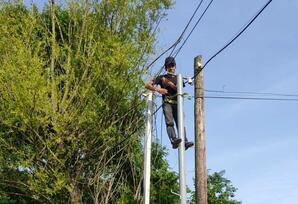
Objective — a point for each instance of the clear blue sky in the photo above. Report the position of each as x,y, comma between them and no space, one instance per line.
254,141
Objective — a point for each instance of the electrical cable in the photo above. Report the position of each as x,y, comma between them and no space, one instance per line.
155,126
198,21
157,109
161,133
164,52
127,137
230,42
146,46
249,98
176,42
156,139
250,93
234,98
193,15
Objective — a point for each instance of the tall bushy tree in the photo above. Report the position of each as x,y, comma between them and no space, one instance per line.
71,116
220,190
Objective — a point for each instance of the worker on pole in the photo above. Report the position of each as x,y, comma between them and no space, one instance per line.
166,86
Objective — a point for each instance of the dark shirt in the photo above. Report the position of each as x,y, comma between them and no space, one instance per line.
172,93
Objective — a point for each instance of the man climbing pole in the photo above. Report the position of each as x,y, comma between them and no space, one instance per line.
167,88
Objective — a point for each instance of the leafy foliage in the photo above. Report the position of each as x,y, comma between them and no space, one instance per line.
220,190
71,115
163,181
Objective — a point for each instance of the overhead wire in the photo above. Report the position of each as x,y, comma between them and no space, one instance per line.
130,135
156,138
249,98
240,98
164,52
189,21
147,44
250,93
237,35
161,133
194,27
156,128
173,46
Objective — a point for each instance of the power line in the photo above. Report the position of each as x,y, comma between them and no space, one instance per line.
162,55
161,122
147,44
199,5
177,52
226,97
251,93
177,41
157,109
229,43
250,98
127,137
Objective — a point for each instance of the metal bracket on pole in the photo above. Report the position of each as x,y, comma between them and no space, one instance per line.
181,136
174,193
147,149
188,80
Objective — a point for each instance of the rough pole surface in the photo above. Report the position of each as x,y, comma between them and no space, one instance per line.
200,140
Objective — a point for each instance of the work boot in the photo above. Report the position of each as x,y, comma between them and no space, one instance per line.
175,143
188,145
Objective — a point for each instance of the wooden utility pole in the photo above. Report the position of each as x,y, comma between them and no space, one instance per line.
200,141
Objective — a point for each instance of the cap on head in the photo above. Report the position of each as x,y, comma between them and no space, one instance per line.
169,61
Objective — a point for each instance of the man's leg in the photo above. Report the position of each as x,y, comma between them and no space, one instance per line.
175,115
187,143
168,113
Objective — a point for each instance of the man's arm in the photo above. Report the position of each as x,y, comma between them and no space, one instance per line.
150,86
168,83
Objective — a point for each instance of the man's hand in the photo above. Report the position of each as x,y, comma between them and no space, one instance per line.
162,91
149,85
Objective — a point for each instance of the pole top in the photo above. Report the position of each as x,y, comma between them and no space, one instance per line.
199,56
198,62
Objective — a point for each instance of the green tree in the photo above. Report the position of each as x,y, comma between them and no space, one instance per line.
220,190
71,116
163,181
